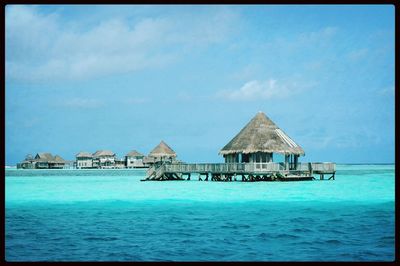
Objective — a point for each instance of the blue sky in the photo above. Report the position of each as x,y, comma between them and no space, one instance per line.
84,78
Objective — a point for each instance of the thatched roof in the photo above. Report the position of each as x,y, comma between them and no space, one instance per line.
162,150
84,154
44,156
262,135
103,153
48,157
134,153
58,159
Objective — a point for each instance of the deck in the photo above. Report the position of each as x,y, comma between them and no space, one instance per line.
245,171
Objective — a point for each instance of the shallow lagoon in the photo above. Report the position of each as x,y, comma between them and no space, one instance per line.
109,215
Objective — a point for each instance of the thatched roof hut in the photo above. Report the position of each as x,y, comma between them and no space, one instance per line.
134,153
162,150
58,159
103,153
84,154
262,135
43,156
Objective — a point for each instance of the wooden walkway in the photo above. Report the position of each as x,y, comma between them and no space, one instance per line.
241,171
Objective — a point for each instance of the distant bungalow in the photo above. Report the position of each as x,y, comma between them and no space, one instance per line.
161,153
134,159
100,159
43,160
250,155
104,159
84,160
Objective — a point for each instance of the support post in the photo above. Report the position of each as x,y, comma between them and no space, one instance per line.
286,162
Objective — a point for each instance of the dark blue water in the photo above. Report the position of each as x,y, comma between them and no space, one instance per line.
227,228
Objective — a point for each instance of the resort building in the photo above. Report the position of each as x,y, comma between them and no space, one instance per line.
84,160
57,163
134,159
43,160
104,159
258,141
161,153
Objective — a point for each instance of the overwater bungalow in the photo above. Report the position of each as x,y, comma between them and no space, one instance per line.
258,141
134,159
162,153
84,160
249,155
42,160
104,159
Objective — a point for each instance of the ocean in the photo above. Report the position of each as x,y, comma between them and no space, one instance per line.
109,215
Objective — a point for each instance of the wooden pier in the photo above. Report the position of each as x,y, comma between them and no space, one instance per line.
249,172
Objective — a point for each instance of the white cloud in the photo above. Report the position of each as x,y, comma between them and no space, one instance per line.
264,90
43,47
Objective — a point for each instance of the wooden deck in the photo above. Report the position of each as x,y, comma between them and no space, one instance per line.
245,171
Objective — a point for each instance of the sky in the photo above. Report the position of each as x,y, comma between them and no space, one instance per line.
125,77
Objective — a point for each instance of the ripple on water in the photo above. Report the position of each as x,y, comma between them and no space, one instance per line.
286,236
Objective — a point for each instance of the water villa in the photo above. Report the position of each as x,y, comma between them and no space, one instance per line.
249,156
84,160
42,160
162,153
134,159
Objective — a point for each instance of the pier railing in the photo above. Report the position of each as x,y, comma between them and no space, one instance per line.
317,167
244,167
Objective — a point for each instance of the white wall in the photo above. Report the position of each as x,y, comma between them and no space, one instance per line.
84,163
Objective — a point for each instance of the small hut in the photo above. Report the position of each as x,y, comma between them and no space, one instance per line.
134,159
84,160
42,160
104,159
161,153
258,141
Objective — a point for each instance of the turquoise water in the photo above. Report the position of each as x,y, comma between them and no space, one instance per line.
109,215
